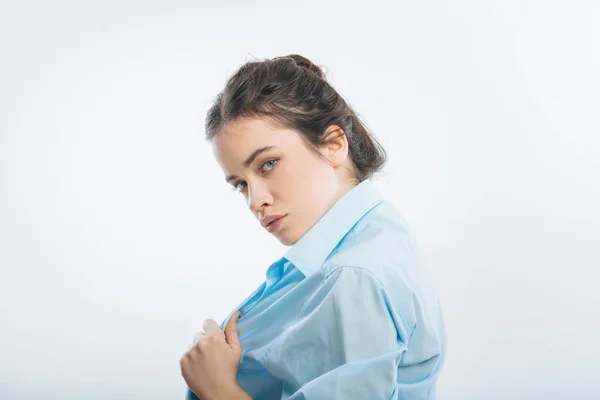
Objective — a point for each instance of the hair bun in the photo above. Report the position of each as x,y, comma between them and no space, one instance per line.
304,62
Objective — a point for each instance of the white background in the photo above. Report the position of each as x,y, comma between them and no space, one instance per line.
118,235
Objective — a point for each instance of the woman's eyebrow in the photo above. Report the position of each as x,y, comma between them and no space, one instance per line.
251,159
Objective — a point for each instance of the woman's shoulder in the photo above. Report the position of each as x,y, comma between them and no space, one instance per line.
382,244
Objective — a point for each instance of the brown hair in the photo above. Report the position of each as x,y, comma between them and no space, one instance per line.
292,91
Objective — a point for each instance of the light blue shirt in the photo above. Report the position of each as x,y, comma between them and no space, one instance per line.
348,313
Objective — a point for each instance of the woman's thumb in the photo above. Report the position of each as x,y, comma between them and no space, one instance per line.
231,334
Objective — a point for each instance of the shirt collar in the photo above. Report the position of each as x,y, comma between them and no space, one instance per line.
312,249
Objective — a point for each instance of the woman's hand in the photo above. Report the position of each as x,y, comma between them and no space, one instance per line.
211,365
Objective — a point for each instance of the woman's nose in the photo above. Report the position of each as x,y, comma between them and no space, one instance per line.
258,197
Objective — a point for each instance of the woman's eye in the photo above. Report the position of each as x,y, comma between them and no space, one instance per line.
239,186
269,165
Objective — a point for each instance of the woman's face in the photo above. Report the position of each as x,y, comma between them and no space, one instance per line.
279,175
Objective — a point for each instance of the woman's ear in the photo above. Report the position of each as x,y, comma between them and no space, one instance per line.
336,148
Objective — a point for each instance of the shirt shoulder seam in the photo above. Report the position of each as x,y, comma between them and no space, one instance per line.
339,268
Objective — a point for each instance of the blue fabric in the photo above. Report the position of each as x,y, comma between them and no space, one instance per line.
348,313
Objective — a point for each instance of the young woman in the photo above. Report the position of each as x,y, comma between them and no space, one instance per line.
349,311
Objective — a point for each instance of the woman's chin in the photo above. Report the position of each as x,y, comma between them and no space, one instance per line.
286,239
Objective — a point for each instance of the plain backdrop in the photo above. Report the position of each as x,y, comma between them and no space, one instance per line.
119,236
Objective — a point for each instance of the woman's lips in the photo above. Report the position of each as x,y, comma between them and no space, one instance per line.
273,226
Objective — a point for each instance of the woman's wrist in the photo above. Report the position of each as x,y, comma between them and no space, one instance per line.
233,393
239,394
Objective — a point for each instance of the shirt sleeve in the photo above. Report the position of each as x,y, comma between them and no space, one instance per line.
349,341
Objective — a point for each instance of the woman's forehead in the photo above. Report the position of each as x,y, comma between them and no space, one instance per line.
250,126
248,134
